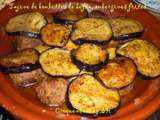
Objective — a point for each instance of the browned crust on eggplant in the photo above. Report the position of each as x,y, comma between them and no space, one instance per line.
55,35
89,57
145,55
28,22
28,56
57,62
84,91
118,73
125,28
91,30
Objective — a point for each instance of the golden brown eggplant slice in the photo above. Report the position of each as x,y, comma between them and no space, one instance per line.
57,62
144,54
91,30
55,35
90,57
18,62
125,28
28,24
118,73
86,96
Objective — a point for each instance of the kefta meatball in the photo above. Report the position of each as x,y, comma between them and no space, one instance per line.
23,42
26,79
52,92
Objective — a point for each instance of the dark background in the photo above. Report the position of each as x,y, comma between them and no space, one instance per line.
4,115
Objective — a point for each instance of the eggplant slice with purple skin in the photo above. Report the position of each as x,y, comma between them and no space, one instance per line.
55,35
145,55
87,97
118,73
91,30
22,61
125,28
70,16
57,62
89,57
27,24
28,34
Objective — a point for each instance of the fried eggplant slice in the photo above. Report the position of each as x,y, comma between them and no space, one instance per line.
125,28
55,35
145,55
28,24
118,73
87,96
91,30
57,62
90,57
69,16
18,62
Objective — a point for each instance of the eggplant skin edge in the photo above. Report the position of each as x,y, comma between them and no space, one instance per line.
57,76
116,88
27,34
150,46
128,36
81,41
19,69
87,67
144,77
63,21
75,111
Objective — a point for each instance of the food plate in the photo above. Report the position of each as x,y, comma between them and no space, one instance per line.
143,100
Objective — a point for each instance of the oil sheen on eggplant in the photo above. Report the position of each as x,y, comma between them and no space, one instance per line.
87,97
22,61
89,57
